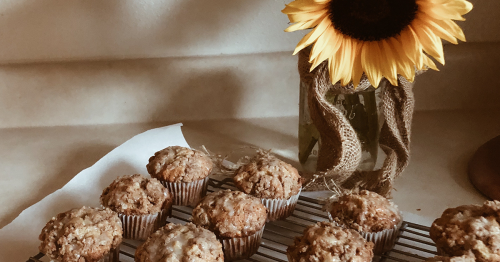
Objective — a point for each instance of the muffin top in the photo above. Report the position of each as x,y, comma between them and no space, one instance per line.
470,227
230,214
266,176
179,243
136,195
87,233
465,258
366,211
179,164
324,241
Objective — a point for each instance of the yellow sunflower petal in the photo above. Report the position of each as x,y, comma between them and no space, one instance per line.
416,43
305,16
439,11
345,65
370,60
303,6
407,63
428,62
453,28
436,28
300,3
313,35
410,43
357,67
402,62
288,10
389,65
331,67
306,24
322,42
329,51
323,55
461,6
431,44
334,64
340,63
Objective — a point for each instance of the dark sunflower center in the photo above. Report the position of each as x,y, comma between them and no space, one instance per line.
372,20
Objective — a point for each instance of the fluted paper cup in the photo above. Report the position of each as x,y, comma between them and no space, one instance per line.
280,208
139,227
187,194
383,241
241,247
112,256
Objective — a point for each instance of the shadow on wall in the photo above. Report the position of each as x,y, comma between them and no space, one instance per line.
147,90
193,96
469,80
195,91
83,156
182,91
198,25
50,30
55,30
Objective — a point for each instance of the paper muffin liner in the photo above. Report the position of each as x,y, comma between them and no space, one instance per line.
139,227
187,194
241,247
383,241
280,208
112,256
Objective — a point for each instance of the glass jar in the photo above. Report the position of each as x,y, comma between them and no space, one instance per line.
363,111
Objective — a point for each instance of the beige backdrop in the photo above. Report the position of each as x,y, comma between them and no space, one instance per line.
154,60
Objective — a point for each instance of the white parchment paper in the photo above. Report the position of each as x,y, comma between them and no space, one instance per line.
19,239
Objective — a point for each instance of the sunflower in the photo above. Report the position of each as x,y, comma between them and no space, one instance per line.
382,38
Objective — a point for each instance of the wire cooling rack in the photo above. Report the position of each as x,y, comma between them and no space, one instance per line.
413,243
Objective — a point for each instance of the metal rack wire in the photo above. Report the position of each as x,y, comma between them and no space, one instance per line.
413,243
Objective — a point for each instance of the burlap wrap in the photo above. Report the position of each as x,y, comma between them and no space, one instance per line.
340,150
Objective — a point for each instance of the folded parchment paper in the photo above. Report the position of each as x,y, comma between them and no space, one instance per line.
19,239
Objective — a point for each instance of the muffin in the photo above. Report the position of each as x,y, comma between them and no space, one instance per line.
324,241
143,204
465,258
473,228
183,171
236,218
275,182
375,217
176,243
85,234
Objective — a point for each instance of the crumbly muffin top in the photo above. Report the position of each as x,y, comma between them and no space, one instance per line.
180,243
86,233
230,214
366,211
465,258
136,195
470,227
266,176
324,241
179,164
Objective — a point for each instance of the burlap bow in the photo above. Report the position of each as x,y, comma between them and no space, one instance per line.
340,149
